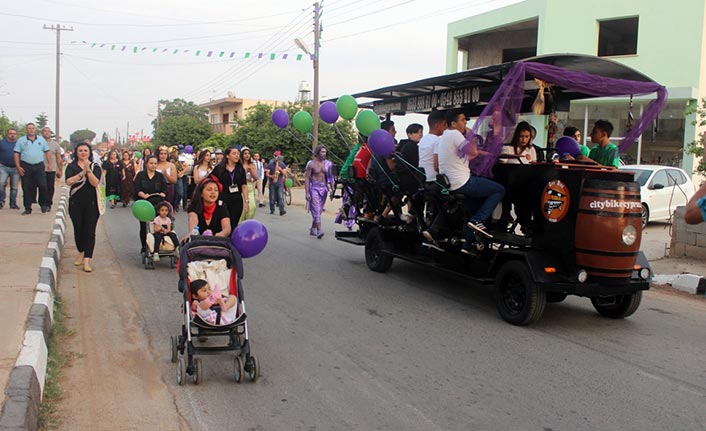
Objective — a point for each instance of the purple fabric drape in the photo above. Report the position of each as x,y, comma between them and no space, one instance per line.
499,117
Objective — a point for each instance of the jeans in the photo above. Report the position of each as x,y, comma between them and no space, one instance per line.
482,196
276,190
5,173
34,178
178,193
184,190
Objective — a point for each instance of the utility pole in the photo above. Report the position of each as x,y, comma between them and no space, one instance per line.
317,36
58,28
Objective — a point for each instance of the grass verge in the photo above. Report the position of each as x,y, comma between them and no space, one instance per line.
57,360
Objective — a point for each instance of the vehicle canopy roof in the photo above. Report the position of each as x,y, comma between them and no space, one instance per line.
497,94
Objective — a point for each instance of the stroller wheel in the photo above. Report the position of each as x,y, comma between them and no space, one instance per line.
149,263
174,349
238,369
252,366
198,371
181,371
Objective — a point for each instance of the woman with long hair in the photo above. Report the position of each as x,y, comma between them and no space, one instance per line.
250,169
521,145
114,174
202,167
231,175
206,211
151,186
127,186
167,168
141,163
83,176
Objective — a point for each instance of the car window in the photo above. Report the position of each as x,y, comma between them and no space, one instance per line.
676,176
660,178
641,175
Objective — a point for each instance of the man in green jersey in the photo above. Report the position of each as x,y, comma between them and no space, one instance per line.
604,153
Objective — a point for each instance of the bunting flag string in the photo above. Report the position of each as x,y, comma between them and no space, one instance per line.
207,53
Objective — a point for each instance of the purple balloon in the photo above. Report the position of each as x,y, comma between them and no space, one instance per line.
188,149
280,118
328,113
249,238
381,143
567,145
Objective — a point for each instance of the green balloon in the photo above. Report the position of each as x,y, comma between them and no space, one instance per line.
303,122
138,154
367,122
347,107
143,210
289,183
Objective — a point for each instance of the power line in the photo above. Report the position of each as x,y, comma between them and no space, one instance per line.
371,13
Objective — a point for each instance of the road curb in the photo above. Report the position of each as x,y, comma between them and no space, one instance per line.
26,382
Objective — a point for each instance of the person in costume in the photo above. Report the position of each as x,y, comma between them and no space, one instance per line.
318,183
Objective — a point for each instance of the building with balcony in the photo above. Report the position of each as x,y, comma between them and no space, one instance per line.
663,40
224,114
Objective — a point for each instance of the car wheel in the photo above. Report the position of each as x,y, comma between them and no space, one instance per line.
645,215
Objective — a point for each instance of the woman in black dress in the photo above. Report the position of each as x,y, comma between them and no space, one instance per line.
234,193
114,174
83,176
152,186
127,187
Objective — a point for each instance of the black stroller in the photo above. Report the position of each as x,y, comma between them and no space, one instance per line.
215,260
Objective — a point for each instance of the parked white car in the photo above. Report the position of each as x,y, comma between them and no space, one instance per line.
663,189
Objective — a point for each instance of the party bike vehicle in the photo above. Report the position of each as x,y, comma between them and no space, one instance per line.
581,221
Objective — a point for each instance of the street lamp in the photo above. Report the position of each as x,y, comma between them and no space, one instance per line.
302,45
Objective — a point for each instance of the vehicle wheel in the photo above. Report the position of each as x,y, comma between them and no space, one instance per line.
645,215
288,197
619,306
555,296
519,300
181,371
252,366
376,259
198,371
238,369
174,349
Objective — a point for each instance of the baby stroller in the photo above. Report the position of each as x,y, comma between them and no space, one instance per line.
167,250
215,260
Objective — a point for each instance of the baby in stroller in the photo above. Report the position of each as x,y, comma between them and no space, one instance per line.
162,241
204,300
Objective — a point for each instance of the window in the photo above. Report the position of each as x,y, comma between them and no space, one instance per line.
675,177
214,118
617,37
660,178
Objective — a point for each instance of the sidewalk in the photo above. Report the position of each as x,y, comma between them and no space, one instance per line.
28,243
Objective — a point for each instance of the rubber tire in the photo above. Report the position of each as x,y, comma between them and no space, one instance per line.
197,376
288,197
181,371
174,349
253,368
645,215
238,370
555,297
626,305
374,257
525,304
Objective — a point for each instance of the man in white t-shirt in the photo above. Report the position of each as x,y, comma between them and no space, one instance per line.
452,143
428,157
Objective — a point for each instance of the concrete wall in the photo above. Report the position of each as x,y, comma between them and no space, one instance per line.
487,49
687,240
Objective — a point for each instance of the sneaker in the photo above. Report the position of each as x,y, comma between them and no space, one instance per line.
283,212
312,231
156,257
26,212
480,228
45,209
14,207
468,251
320,234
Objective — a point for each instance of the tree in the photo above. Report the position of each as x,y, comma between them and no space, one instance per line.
177,108
218,140
182,129
82,135
6,123
697,147
41,120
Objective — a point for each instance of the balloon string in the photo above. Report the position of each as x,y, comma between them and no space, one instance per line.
343,138
395,187
398,156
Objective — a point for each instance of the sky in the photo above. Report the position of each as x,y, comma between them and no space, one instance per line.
365,44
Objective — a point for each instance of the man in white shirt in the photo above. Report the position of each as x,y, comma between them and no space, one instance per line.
260,177
428,156
456,168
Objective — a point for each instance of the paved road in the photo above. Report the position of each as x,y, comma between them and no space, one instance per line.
343,348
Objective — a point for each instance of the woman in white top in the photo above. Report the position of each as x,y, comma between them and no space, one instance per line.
167,168
521,146
202,167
